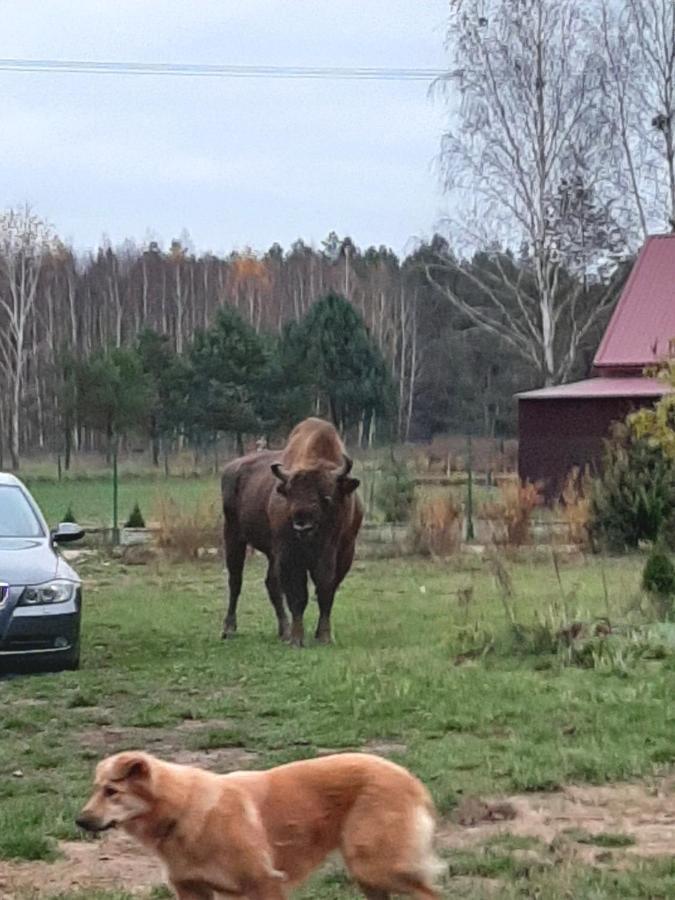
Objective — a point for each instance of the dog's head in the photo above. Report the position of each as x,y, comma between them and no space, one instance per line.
122,792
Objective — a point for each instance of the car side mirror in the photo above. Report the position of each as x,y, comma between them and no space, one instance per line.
66,532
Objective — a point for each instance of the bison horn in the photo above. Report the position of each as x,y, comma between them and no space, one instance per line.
346,468
279,472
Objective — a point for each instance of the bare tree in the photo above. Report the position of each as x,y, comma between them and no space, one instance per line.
654,24
638,42
25,239
630,152
524,157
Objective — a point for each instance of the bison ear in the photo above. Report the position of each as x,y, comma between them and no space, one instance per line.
348,485
279,473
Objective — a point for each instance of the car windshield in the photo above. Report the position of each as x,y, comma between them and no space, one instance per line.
17,516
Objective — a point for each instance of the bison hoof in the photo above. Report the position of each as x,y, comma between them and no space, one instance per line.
324,638
285,634
229,630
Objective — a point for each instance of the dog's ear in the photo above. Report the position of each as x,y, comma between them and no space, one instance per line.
131,766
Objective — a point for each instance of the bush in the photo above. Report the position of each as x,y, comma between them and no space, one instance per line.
658,579
396,493
69,515
436,525
634,498
513,510
135,519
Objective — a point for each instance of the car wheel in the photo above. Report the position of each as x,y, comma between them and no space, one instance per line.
72,664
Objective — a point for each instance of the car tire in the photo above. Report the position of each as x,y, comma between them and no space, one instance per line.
72,664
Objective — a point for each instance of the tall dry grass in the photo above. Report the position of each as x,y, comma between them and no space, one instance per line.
512,511
575,508
184,531
436,525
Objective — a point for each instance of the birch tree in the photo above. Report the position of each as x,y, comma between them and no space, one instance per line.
525,159
25,240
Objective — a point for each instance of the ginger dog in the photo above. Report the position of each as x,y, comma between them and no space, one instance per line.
259,834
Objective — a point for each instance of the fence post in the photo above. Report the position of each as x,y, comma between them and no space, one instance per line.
469,490
116,530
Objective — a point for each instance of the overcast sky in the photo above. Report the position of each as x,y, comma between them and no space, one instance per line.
235,162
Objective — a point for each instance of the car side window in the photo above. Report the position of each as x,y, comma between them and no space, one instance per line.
17,518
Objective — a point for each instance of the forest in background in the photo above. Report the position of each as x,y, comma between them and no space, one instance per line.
445,373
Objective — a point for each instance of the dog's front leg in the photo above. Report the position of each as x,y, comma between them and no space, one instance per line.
192,890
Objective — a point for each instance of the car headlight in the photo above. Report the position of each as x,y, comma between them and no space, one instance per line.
51,592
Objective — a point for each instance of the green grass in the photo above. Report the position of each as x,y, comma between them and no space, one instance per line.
91,498
602,839
154,667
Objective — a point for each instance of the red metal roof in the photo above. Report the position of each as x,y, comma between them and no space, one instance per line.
643,323
627,386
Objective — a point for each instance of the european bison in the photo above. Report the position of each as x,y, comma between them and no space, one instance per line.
298,507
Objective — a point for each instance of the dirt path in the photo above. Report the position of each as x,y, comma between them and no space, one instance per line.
112,863
643,813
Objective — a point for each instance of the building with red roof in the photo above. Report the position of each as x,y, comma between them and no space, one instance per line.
565,427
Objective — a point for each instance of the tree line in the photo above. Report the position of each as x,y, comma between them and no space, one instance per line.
417,364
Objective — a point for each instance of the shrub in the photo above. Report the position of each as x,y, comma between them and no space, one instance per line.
634,498
658,579
184,532
513,510
135,519
436,525
396,492
69,515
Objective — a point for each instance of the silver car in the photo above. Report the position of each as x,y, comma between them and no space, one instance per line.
40,594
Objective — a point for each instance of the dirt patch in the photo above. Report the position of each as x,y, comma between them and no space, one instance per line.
112,863
170,744
643,812
473,811
224,759
385,748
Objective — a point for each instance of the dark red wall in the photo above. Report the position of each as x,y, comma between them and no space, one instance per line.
556,435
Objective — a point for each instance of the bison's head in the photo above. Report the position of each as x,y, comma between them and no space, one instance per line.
313,495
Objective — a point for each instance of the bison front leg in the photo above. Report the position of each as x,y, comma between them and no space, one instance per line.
325,595
294,586
323,576
276,595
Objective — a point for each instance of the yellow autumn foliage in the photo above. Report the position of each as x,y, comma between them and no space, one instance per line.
657,425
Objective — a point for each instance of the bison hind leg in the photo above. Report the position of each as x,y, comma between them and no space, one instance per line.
235,556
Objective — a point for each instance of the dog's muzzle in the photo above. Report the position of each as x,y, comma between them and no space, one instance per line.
92,826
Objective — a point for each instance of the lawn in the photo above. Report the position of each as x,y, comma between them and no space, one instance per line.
155,674
90,498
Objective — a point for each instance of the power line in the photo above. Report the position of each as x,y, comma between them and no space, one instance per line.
191,70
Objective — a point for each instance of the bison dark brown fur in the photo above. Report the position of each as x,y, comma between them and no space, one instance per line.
298,507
